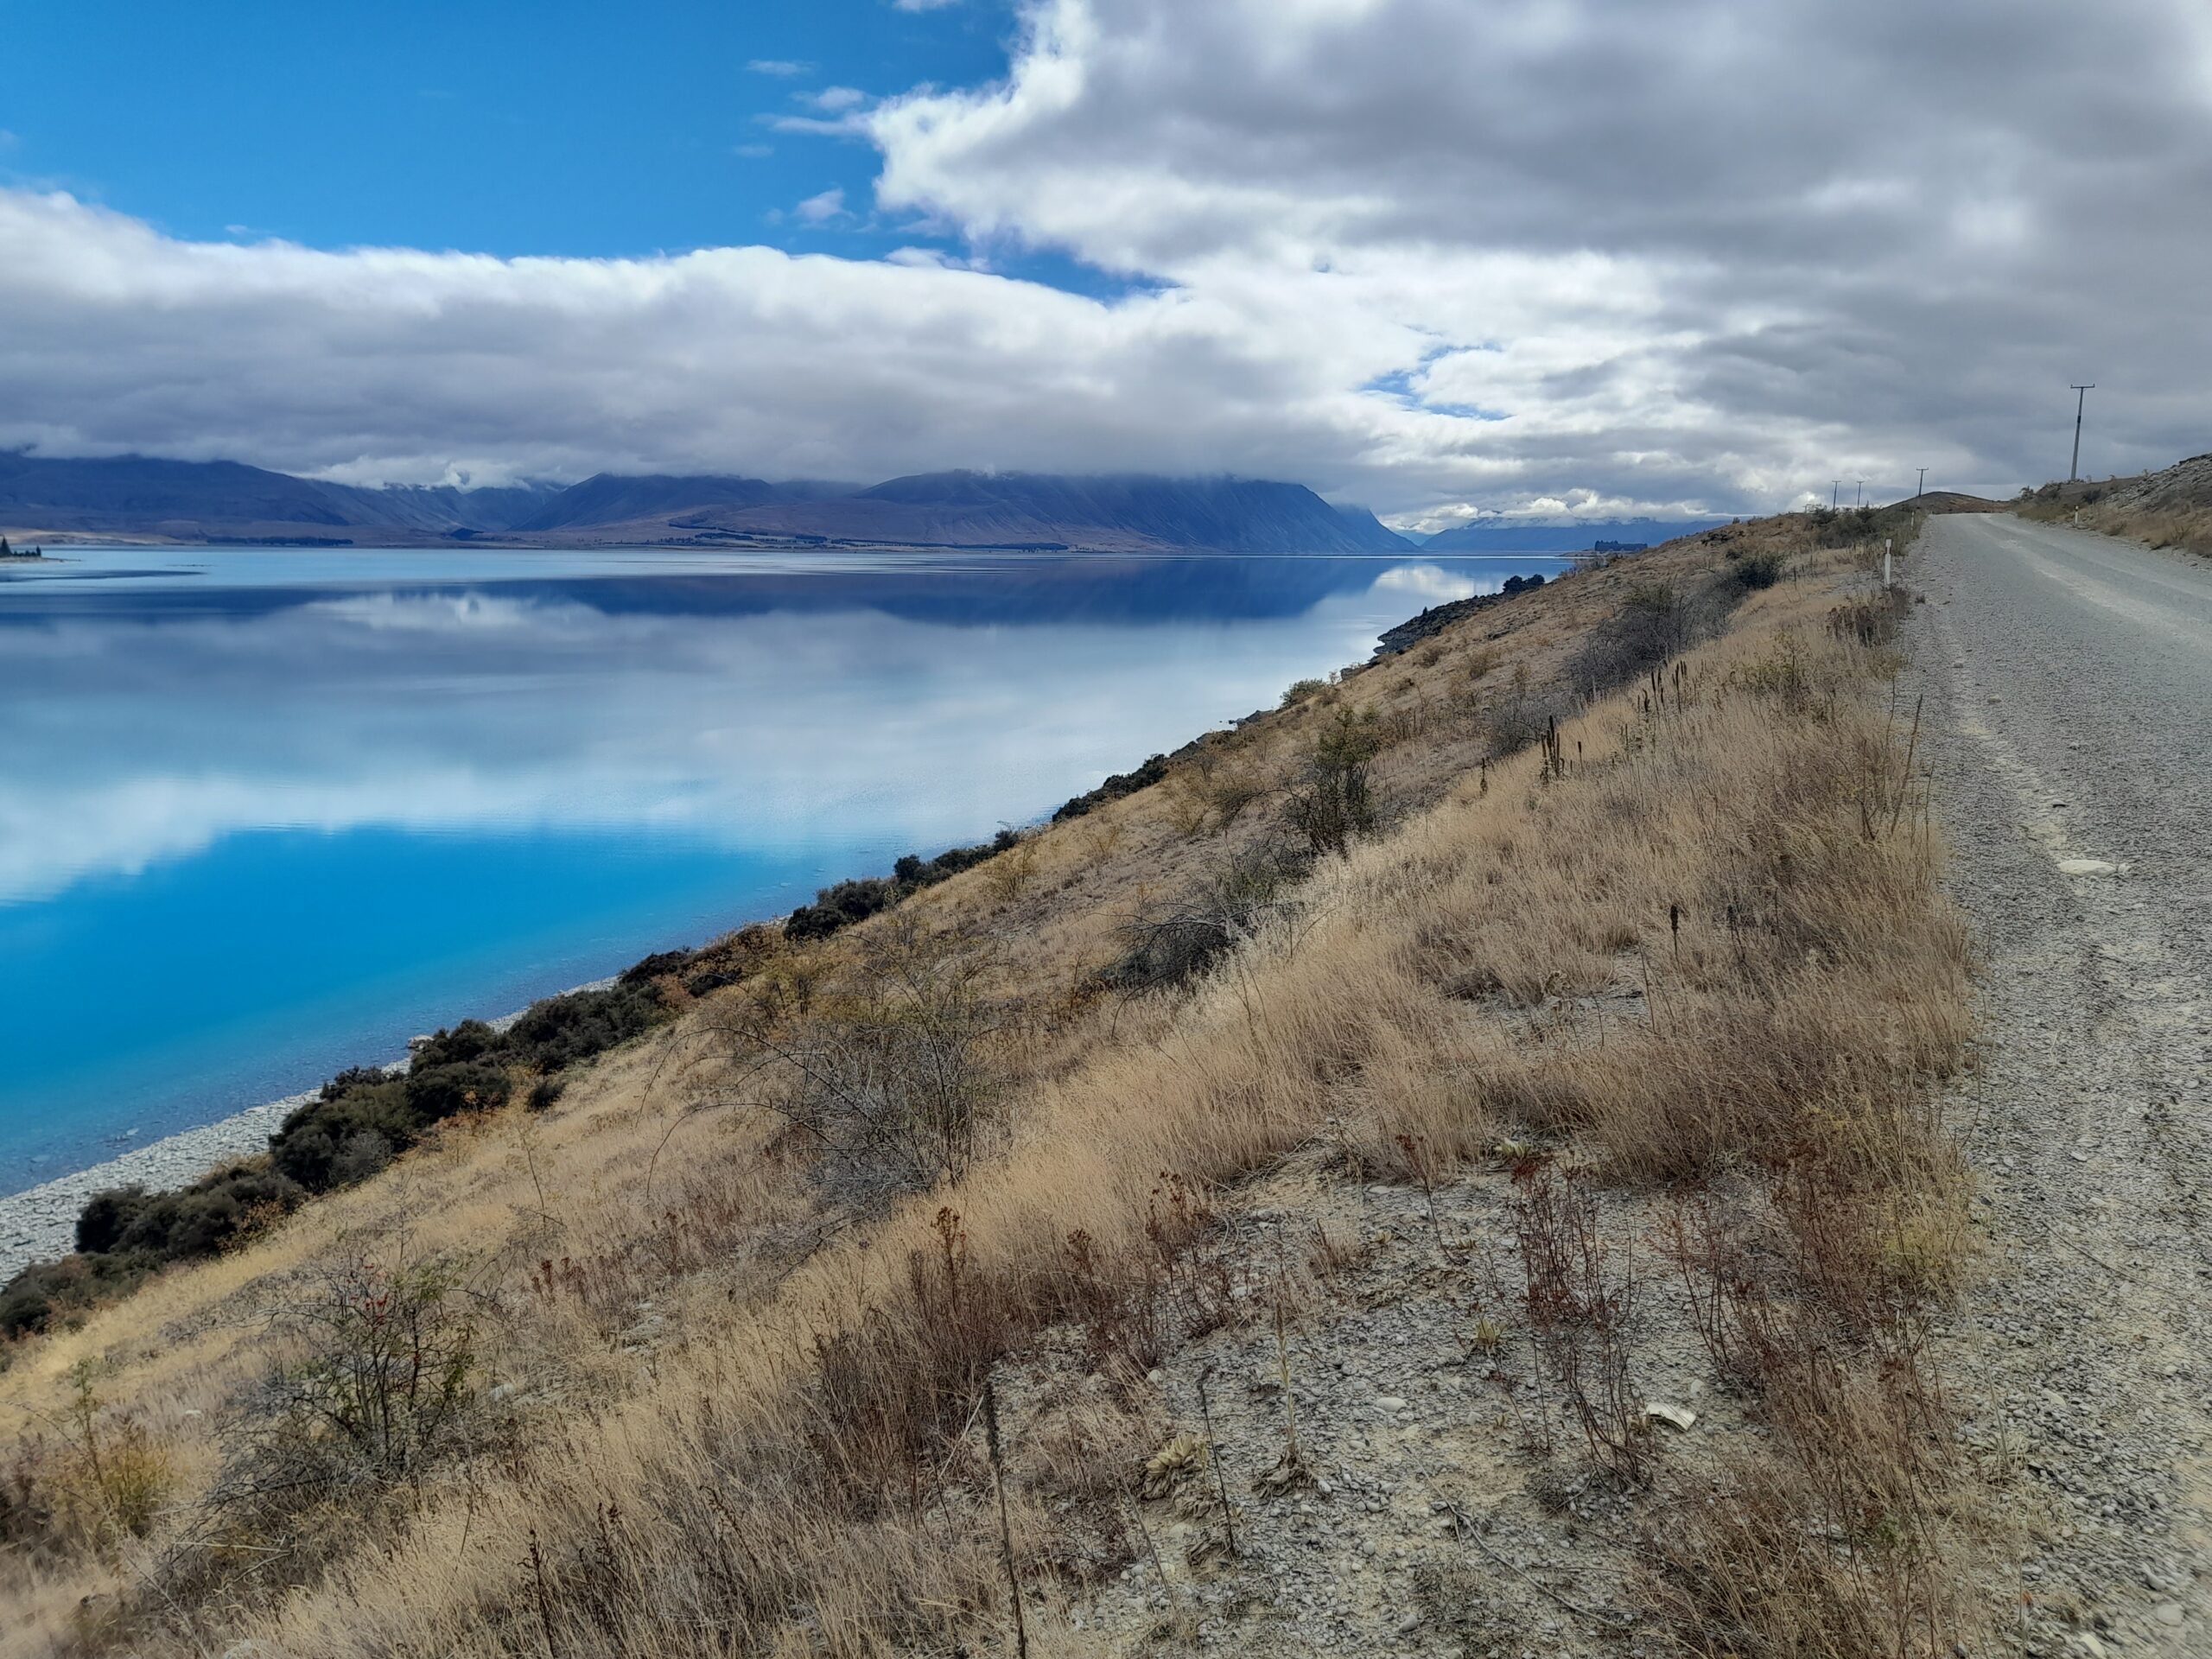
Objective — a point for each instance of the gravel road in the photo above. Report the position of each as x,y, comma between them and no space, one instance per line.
2070,695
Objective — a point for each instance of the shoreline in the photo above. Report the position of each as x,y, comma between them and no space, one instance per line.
39,1223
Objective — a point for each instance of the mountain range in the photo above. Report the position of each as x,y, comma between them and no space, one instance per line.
139,497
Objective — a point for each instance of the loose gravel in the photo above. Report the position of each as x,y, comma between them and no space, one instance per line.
2068,729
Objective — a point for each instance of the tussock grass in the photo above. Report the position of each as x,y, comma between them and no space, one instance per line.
746,1362
2167,509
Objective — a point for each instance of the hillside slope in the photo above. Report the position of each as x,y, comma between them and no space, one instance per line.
1563,538
619,498
1227,1214
143,495
2167,509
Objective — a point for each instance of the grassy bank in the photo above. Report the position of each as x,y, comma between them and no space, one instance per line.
2169,509
878,1278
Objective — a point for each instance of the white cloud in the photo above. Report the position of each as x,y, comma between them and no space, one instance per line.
834,100
1710,256
849,125
401,365
753,152
1449,259
821,209
784,69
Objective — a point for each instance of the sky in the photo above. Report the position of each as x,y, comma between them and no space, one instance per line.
1451,259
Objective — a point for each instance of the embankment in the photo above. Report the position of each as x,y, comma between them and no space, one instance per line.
1265,1208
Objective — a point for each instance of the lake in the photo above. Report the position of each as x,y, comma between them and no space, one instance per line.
266,812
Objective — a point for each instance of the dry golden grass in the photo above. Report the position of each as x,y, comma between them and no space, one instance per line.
1697,936
2190,529
2167,509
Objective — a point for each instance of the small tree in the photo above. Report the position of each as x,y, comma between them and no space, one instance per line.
379,1384
1333,800
890,1072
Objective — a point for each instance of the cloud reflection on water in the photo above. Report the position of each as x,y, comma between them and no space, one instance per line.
448,710
250,833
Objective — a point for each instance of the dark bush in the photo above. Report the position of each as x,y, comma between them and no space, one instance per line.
561,1030
643,971
858,899
353,1078
1120,784
101,1223
1654,624
437,1092
839,906
1168,950
471,1039
1758,570
306,1150
49,1294
207,1216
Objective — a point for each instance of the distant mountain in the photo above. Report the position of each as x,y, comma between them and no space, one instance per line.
191,499
1373,534
1130,514
622,498
1141,512
142,493
442,507
1494,537
134,495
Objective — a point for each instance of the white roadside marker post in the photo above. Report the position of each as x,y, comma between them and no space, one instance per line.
1886,584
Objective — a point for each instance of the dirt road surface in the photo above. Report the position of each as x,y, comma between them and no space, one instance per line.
2068,687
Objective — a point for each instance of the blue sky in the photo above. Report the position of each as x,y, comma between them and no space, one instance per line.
503,126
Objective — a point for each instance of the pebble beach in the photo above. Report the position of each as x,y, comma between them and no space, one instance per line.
39,1223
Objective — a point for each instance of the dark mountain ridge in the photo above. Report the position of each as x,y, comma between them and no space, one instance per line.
145,495
142,496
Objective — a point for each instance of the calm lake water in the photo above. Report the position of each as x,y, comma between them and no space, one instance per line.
266,812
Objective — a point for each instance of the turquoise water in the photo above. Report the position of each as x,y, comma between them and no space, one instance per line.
266,812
